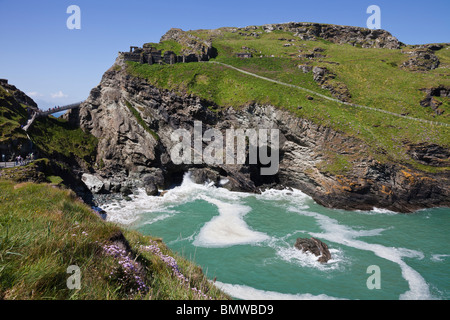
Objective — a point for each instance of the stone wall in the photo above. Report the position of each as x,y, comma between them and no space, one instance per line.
150,55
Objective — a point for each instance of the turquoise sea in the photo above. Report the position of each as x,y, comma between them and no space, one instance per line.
246,243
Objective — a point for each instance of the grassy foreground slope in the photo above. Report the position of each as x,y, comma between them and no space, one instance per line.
373,78
44,230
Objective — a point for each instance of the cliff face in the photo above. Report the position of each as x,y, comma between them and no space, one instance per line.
15,107
134,120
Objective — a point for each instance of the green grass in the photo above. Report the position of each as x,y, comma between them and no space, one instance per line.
141,121
336,164
34,171
55,180
44,230
12,116
373,77
386,135
168,45
57,139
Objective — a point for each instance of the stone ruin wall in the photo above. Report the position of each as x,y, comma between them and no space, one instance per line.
149,55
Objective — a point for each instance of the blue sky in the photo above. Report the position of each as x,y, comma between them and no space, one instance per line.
55,65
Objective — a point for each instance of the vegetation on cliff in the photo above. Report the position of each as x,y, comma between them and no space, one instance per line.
48,137
12,115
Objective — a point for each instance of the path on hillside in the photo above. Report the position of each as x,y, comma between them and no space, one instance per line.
331,99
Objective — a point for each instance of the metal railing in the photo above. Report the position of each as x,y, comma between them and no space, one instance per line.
40,113
59,109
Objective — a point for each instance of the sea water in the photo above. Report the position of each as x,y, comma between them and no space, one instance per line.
245,242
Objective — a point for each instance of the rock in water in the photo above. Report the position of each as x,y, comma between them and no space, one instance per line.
315,246
151,190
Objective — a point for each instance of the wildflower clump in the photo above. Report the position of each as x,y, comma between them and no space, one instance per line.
172,263
127,272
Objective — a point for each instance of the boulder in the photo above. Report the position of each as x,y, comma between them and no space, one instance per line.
421,60
93,183
305,68
326,80
431,102
320,74
315,246
151,189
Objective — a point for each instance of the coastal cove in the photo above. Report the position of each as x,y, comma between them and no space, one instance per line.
245,243
278,161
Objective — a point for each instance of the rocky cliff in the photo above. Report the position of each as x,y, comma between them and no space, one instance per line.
357,36
190,44
134,120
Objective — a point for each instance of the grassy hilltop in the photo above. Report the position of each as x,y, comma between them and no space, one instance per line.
373,77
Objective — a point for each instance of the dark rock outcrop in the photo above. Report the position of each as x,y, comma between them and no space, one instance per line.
431,102
325,79
430,154
191,45
315,246
363,37
421,60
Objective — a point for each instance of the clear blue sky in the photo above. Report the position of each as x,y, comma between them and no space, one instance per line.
55,65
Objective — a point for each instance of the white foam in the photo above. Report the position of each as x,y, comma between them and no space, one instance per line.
439,257
229,228
248,293
160,218
290,194
309,260
377,211
334,232
128,212
286,197
383,211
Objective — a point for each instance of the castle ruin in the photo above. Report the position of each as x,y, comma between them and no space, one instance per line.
150,55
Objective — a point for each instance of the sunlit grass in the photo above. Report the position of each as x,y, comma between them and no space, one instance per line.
44,230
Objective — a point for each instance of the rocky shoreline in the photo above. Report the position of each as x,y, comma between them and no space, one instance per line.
131,156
